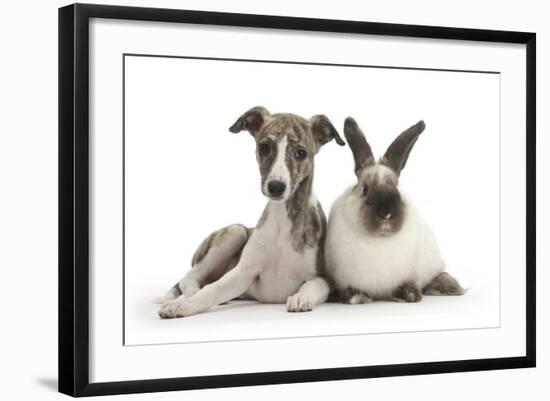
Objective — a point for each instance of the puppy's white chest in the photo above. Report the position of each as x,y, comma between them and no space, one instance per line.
284,269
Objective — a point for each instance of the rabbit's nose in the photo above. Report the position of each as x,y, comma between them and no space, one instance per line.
384,214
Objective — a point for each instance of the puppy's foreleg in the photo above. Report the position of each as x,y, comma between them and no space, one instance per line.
234,283
310,294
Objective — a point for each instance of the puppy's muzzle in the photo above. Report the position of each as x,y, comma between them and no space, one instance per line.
276,188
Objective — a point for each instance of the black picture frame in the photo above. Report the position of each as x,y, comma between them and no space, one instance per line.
74,198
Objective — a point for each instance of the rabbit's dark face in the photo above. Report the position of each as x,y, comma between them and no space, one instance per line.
382,209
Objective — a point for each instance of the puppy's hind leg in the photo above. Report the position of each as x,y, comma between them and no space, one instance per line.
443,284
171,294
217,254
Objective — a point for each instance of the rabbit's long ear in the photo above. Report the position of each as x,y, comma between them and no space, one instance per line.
398,152
360,148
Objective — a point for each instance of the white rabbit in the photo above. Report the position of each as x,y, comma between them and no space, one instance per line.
378,246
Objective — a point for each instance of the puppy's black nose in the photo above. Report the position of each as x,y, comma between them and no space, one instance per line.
276,188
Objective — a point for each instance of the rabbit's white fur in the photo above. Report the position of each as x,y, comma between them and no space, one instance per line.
377,265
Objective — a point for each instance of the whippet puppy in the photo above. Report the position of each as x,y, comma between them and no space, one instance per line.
282,258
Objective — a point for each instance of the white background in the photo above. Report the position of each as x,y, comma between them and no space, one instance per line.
112,362
186,176
28,212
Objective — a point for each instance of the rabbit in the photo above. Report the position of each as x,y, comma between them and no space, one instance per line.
378,246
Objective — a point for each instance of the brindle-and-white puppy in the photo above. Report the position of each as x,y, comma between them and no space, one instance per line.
282,258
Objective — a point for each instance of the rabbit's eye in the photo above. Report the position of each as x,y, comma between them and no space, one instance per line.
365,189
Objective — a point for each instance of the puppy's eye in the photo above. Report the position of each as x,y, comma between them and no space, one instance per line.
300,154
264,149
365,189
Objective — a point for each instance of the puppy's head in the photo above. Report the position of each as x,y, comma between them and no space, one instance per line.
285,147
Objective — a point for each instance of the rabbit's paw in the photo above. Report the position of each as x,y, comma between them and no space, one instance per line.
407,292
443,284
353,296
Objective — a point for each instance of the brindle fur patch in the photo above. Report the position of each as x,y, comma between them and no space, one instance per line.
213,240
324,131
203,249
298,133
177,289
265,162
320,262
307,227
251,120
443,284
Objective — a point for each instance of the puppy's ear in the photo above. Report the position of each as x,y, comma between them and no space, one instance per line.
362,153
324,131
398,152
251,121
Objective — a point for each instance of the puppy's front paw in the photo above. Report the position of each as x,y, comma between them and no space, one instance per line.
299,303
180,307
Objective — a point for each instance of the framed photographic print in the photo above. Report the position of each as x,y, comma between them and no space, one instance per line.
234,207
